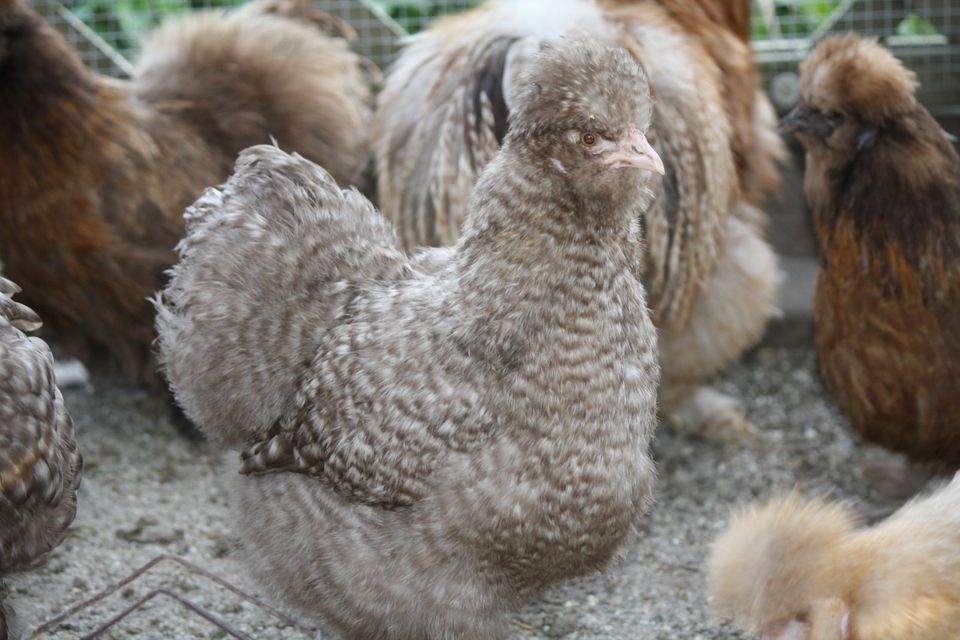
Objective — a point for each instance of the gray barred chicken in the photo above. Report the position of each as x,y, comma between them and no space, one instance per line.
40,466
429,441
710,275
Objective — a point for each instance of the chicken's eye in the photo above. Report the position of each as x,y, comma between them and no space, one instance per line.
588,139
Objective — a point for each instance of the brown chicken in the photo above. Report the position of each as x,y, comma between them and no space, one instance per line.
711,277
883,182
800,569
95,173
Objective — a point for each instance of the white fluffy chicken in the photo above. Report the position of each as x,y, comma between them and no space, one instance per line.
430,441
800,569
710,275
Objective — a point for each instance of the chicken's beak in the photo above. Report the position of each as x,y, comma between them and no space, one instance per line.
806,120
633,150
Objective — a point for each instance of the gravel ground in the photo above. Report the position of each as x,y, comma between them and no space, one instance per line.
149,491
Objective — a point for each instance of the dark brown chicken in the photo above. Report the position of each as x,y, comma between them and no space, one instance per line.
883,182
95,173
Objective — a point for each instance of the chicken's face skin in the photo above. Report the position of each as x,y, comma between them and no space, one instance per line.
775,561
830,137
567,126
600,164
826,619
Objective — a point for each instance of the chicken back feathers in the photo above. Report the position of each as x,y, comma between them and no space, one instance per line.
429,440
883,182
800,569
444,110
95,173
446,106
40,466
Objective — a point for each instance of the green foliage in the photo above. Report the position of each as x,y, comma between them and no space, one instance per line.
800,18
795,18
413,15
914,25
122,22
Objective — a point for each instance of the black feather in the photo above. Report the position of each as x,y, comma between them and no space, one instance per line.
489,80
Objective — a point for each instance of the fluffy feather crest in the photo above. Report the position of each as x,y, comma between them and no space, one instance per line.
573,79
849,74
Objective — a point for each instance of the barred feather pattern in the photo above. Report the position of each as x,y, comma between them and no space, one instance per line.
40,466
427,440
251,247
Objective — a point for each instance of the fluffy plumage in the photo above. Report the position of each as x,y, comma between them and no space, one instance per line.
883,182
430,440
445,108
800,569
95,173
40,466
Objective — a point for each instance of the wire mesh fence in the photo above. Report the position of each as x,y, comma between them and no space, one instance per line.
924,33
164,590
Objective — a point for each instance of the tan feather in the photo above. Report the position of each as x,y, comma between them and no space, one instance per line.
800,568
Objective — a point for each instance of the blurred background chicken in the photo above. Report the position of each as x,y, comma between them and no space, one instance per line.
40,466
709,273
95,173
800,569
883,182
431,440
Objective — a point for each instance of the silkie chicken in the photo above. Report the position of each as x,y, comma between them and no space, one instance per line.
95,173
883,182
710,275
429,441
40,466
800,569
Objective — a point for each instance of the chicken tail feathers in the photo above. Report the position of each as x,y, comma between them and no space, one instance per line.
264,70
268,263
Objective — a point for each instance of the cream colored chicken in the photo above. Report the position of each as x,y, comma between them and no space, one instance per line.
801,569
